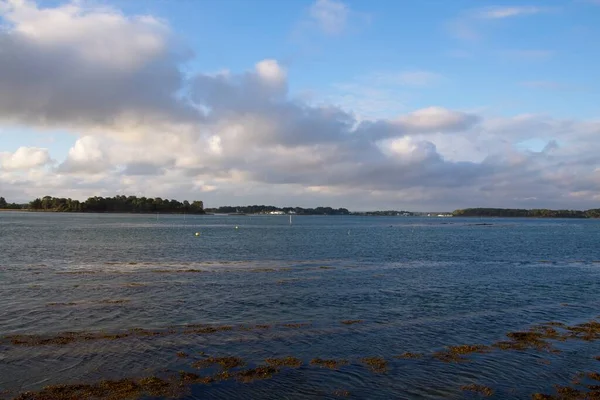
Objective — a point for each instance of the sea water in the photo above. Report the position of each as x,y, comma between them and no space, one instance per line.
413,284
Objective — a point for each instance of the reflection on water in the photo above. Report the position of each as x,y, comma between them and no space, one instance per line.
401,308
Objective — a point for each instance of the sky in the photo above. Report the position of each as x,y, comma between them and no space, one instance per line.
396,104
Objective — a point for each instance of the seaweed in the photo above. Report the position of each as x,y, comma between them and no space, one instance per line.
331,364
110,390
532,339
226,363
588,331
480,389
258,373
296,326
291,362
456,353
340,393
376,364
409,355
594,375
116,301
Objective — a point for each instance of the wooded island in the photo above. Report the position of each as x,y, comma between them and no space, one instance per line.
148,205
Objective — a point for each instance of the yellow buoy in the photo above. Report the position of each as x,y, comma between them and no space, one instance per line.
197,233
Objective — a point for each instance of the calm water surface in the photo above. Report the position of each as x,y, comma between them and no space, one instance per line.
417,284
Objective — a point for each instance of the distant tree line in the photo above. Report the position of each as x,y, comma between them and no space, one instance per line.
535,213
4,205
117,204
268,209
388,213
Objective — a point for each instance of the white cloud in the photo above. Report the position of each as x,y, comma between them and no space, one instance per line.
86,156
508,12
330,15
24,158
434,119
103,36
471,24
270,71
79,66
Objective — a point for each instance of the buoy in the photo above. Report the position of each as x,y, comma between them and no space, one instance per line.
236,227
197,233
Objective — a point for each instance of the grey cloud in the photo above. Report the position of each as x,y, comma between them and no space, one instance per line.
50,83
136,169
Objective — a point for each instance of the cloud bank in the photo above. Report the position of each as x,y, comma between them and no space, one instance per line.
143,127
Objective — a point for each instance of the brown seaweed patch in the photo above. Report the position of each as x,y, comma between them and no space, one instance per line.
340,393
532,339
134,284
288,281
352,321
541,396
255,327
31,340
456,353
190,378
70,337
566,392
376,364
555,323
262,270
254,374
82,272
291,362
115,301
588,331
577,379
206,329
326,267
226,363
594,375
113,390
60,304
182,354
331,364
296,326
480,389
177,271
409,355
569,392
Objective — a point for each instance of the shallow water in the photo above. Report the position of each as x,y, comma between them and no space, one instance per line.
416,284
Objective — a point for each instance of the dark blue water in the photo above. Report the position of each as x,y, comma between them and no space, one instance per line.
417,284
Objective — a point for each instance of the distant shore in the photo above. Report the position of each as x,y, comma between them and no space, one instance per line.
121,204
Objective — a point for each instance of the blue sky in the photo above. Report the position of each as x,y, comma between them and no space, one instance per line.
490,69
513,66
